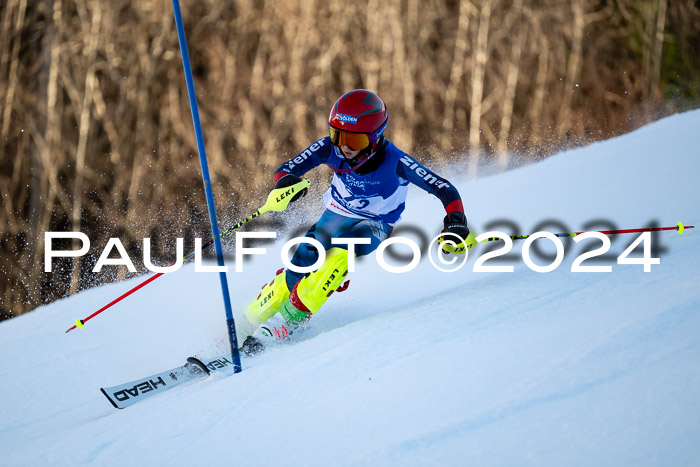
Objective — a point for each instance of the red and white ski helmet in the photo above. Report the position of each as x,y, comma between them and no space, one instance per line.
358,120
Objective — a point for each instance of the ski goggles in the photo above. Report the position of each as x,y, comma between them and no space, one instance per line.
355,141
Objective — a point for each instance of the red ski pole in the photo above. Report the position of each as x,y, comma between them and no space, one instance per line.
678,227
277,200
461,248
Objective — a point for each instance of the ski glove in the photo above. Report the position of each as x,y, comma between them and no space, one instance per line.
289,180
456,223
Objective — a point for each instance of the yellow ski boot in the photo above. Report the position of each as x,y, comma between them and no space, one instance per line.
306,299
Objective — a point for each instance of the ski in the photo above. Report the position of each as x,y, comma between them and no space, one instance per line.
127,394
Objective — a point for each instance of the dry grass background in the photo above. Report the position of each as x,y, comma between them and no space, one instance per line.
96,133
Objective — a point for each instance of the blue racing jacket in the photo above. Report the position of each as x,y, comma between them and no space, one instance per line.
380,194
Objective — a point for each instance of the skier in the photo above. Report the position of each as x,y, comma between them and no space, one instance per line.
366,198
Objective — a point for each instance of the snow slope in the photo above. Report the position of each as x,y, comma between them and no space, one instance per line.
423,368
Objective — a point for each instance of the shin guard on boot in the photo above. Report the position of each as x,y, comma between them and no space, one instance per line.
273,295
307,297
311,292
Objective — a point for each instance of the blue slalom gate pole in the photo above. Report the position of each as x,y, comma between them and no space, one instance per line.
235,354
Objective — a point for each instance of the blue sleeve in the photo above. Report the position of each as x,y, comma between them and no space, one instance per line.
413,171
311,157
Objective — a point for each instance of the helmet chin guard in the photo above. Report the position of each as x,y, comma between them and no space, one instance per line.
358,160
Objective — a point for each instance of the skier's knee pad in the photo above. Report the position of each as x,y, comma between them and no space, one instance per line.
272,296
314,289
